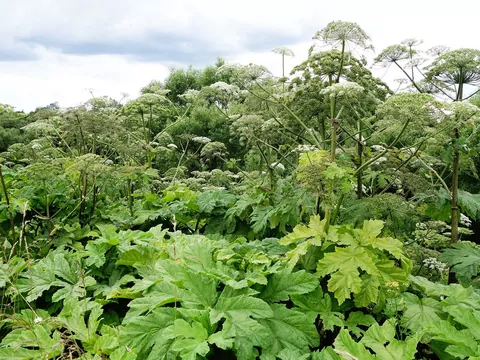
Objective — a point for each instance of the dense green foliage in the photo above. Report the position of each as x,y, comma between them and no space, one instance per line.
229,214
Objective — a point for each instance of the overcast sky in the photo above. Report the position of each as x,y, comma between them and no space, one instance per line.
59,50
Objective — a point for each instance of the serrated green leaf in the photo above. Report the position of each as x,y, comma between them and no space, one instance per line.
292,354
356,319
291,329
346,259
419,312
368,292
346,347
342,283
286,283
240,307
142,332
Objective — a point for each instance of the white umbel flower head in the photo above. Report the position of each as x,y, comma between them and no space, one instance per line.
220,85
172,146
434,264
345,89
201,139
465,220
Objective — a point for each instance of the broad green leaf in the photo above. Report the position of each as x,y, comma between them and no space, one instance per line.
142,332
317,303
344,282
38,278
371,229
357,318
347,348
326,354
248,334
147,304
191,339
162,349
292,354
419,312
240,307
289,329
368,292
286,283
20,354
462,340
381,339
221,341
464,260
315,229
346,259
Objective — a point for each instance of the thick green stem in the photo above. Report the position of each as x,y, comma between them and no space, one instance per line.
47,210
83,146
83,200
454,196
341,62
129,196
456,171
359,160
150,122
10,214
94,200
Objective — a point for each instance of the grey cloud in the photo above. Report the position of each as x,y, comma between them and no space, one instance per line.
159,46
18,52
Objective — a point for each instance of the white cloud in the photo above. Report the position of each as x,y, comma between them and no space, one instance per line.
69,79
117,37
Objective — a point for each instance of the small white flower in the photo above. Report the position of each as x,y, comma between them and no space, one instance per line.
172,146
37,320
37,146
108,162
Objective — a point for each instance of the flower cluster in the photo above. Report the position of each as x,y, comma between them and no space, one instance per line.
434,264
465,220
220,85
348,89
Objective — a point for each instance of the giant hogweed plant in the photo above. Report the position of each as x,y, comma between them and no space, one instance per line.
447,74
191,297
